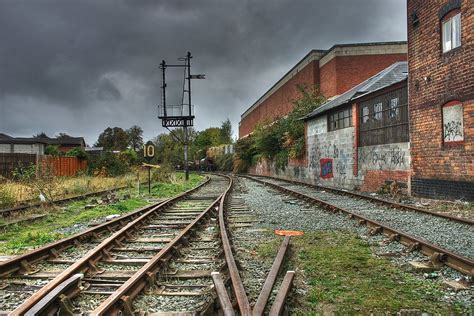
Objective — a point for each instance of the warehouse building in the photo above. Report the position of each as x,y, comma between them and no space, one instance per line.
335,71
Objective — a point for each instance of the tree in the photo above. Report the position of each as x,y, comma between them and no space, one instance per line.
226,132
135,137
40,135
113,139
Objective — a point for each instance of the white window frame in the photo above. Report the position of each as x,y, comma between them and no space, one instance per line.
451,33
378,110
393,108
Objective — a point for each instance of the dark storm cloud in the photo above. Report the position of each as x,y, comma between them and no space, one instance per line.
80,66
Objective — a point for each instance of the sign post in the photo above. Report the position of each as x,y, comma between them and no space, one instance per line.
149,154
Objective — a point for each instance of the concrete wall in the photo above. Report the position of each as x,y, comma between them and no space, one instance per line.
28,149
5,148
331,161
330,154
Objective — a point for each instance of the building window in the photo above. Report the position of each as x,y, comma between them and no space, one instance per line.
389,123
340,120
453,131
378,111
393,108
451,32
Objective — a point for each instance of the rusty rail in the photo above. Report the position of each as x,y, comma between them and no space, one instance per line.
237,285
17,263
222,295
438,254
280,300
371,198
270,281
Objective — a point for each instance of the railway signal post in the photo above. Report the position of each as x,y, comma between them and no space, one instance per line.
180,115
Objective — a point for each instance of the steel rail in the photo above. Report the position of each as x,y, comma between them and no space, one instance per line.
223,296
372,199
280,299
96,254
439,255
17,263
132,287
262,300
237,285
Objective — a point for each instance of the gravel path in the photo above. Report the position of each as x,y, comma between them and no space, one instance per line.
448,234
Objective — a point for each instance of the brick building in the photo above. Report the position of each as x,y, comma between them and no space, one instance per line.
335,71
441,97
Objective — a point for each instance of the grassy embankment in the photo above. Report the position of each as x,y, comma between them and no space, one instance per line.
68,186
21,237
340,276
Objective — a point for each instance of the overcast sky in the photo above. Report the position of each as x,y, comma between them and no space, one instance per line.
79,66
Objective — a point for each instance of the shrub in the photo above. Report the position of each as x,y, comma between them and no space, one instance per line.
224,162
53,150
112,164
7,198
77,152
162,174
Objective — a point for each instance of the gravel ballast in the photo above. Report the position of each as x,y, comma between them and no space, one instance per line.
454,236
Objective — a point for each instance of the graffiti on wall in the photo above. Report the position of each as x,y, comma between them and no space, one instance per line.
383,157
453,123
326,168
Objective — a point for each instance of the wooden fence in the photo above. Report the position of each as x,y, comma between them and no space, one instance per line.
62,166
9,162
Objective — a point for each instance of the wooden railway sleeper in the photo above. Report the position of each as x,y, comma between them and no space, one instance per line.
54,253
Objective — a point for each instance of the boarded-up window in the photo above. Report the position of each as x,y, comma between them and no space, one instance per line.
384,119
453,130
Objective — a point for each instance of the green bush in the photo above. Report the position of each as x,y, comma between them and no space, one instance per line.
53,150
77,152
113,164
225,162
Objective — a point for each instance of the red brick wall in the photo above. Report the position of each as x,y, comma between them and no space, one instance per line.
344,72
374,179
279,103
352,70
434,79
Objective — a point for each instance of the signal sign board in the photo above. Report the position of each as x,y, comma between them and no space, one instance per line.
149,150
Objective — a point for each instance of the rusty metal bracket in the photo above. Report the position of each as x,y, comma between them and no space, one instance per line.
376,230
126,303
26,268
413,247
65,306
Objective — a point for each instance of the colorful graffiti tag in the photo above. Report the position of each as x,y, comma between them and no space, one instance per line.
326,168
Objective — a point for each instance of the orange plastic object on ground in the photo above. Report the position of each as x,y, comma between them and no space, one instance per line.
289,233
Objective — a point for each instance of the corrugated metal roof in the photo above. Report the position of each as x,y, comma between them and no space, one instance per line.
393,74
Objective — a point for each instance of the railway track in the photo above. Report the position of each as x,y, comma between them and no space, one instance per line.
28,278
446,240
